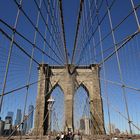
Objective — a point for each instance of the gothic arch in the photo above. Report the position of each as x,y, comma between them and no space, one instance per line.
58,108
55,86
84,87
81,106
84,76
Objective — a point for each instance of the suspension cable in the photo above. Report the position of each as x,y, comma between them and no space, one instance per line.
77,29
9,55
63,29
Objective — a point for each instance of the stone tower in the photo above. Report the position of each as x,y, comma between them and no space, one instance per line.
51,76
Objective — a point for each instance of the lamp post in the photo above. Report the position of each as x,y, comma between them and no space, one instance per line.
50,105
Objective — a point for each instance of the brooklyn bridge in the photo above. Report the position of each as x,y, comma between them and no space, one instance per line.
69,69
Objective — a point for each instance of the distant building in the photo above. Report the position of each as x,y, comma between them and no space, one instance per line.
30,117
24,127
82,124
18,117
11,114
8,120
1,127
85,125
8,125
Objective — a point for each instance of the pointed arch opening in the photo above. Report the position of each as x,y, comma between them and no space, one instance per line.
57,110
81,109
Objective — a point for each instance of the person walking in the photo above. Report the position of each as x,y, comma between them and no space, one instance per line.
69,136
62,136
58,137
77,136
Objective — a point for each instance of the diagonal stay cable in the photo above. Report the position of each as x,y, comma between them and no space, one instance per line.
127,39
26,39
120,45
87,31
25,85
93,32
23,50
9,55
135,8
135,14
120,113
122,42
38,105
56,120
104,67
56,21
119,67
31,22
118,84
52,20
117,26
31,62
39,9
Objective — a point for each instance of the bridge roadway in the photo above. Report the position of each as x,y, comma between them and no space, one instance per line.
101,137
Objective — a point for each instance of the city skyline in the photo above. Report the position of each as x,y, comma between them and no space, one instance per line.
17,117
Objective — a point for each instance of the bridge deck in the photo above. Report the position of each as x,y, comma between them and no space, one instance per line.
103,137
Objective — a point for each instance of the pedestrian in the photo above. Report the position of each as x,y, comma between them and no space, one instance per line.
62,136
65,135
58,137
69,136
77,136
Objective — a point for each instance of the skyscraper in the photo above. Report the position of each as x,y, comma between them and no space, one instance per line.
18,117
11,114
30,118
85,125
25,125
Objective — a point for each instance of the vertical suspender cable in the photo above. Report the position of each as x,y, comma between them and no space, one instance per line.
9,55
104,69
31,60
119,67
